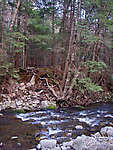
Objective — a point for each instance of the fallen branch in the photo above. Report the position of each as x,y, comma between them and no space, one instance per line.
50,87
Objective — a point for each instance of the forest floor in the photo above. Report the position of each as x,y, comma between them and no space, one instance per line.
29,87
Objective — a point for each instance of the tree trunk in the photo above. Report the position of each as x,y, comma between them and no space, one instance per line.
2,25
65,11
14,16
53,55
69,49
78,12
25,55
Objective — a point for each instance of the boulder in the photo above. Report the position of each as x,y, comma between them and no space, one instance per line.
47,104
85,143
56,148
1,115
97,134
79,127
67,145
107,131
48,144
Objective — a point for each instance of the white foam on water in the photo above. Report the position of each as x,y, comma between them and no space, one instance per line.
87,120
53,131
83,113
108,115
102,111
33,116
54,122
55,115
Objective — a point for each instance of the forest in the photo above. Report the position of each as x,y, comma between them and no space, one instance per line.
60,49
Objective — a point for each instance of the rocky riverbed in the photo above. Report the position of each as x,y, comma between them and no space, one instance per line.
102,140
60,129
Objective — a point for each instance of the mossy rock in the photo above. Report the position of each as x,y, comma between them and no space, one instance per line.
48,105
19,111
51,107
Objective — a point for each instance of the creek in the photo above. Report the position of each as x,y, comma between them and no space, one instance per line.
24,131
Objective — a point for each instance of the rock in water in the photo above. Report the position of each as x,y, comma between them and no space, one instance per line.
48,143
79,127
48,104
44,104
107,131
85,143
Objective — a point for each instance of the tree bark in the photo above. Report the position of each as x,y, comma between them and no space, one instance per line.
14,16
53,55
78,12
69,49
2,25
65,11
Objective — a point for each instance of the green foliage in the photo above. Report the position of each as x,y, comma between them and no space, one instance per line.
87,84
94,66
39,29
7,69
86,80
16,40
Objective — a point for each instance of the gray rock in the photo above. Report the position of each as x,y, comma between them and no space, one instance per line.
68,144
7,103
32,81
107,131
1,115
28,85
110,132
56,148
97,134
1,144
47,104
14,137
22,84
69,134
110,146
38,146
19,103
48,143
22,88
79,127
85,143
44,104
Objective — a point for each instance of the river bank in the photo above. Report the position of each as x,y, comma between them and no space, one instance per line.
37,88
24,96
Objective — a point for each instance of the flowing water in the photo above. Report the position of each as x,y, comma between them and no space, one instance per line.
24,131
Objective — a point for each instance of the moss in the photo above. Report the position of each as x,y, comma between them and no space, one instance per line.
51,107
20,111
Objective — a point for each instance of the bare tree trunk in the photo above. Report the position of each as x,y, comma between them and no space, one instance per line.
2,25
78,12
64,33
53,55
69,49
25,54
14,16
